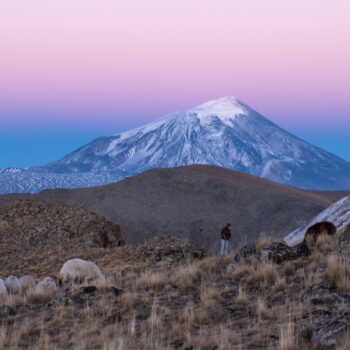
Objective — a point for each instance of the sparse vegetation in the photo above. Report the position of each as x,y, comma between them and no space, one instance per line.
211,303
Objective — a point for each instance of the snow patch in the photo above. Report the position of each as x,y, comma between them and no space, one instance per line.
226,109
338,214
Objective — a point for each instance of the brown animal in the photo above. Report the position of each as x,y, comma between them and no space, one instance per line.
323,227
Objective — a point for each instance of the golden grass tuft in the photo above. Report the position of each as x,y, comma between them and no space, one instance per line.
265,274
214,265
243,271
280,285
288,340
241,298
209,295
326,243
261,309
263,241
186,276
338,272
152,280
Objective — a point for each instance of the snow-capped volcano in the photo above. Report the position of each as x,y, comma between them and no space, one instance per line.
223,132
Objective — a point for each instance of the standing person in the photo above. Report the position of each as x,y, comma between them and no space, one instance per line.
225,237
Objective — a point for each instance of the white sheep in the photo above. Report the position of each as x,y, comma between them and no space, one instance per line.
12,284
46,286
27,283
79,271
3,289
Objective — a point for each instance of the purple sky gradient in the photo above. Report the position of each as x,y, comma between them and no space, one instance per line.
72,70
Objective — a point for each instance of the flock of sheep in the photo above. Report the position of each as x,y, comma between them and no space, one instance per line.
74,271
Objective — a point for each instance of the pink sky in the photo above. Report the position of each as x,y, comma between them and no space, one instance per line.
135,60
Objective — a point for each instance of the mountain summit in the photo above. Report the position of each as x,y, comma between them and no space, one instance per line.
224,132
226,109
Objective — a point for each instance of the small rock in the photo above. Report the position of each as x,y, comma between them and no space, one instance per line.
178,343
116,291
306,333
248,253
88,290
66,344
6,311
114,318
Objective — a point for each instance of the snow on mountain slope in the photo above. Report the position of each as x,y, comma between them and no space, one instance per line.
223,132
338,214
10,170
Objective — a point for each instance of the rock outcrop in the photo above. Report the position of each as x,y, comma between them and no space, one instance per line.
327,328
337,214
169,250
277,252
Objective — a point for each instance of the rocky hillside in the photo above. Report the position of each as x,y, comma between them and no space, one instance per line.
35,234
196,202
166,295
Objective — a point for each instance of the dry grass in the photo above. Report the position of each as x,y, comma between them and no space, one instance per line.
214,265
129,300
280,285
316,260
210,295
152,280
287,338
326,243
186,276
241,297
243,271
289,269
211,304
264,274
263,241
269,273
345,343
36,297
338,272
262,310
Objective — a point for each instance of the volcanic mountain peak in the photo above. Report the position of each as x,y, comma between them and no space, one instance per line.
223,132
225,108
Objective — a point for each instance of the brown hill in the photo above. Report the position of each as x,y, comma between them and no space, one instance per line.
38,236
195,202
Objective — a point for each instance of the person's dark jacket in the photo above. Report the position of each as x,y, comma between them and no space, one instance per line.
225,233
